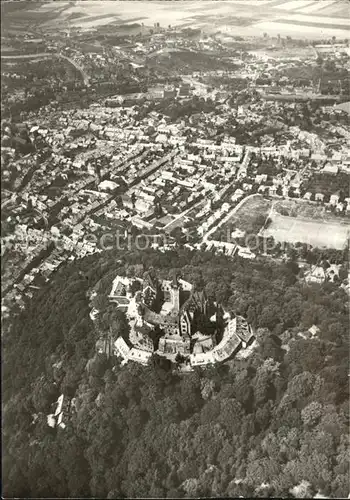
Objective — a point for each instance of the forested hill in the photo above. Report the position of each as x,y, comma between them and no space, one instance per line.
254,427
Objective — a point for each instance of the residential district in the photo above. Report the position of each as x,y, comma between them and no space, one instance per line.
171,134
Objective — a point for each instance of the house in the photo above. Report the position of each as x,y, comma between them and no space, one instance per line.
285,191
140,356
330,169
277,182
307,196
127,201
334,199
318,157
319,196
61,412
314,330
245,253
237,233
51,421
184,89
332,271
316,275
59,405
142,206
237,195
260,178
340,207
107,186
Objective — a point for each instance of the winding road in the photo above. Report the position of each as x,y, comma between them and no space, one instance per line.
28,56
84,75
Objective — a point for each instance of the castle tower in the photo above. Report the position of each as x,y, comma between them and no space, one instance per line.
176,299
175,290
185,325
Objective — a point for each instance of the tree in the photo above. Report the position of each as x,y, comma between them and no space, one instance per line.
98,366
45,394
135,287
311,413
179,359
279,416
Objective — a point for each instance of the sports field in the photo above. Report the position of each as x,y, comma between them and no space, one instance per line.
313,232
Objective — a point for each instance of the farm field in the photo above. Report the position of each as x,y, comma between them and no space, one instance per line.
315,233
286,53
286,17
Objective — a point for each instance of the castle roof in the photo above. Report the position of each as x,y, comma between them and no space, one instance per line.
196,300
156,319
149,281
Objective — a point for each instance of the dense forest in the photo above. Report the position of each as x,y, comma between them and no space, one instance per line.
255,426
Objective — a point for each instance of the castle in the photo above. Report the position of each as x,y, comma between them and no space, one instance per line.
186,322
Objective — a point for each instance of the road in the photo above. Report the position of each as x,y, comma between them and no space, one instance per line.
182,215
86,78
28,56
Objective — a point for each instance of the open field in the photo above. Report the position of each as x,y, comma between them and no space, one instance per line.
251,213
284,53
300,208
315,233
306,18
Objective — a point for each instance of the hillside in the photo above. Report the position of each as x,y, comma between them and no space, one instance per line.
256,426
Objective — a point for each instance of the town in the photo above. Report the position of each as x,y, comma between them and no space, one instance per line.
175,248
206,155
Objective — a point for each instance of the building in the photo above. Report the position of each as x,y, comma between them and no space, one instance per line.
330,169
314,330
121,348
243,331
127,201
184,90
189,323
334,199
62,412
315,275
